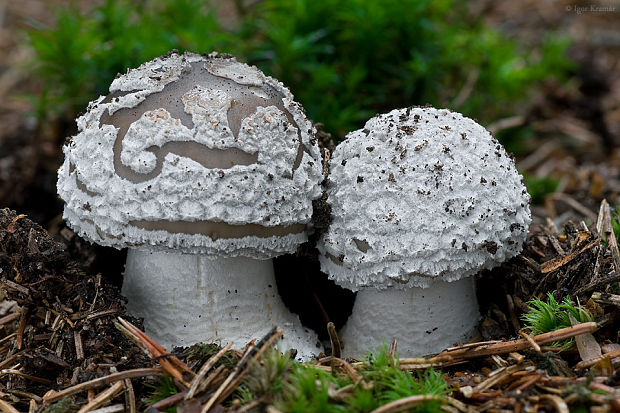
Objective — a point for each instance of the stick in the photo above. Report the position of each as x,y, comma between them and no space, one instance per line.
7,408
334,339
253,352
130,396
407,403
521,344
530,340
102,381
606,298
148,340
102,397
591,362
204,370
79,349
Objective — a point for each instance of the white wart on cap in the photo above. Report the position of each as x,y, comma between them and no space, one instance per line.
203,155
421,197
198,153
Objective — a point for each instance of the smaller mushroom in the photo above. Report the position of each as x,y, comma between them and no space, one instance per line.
205,169
421,199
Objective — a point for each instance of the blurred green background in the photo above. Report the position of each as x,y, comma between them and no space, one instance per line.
345,60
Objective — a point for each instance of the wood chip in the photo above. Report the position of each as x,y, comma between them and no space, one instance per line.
556,263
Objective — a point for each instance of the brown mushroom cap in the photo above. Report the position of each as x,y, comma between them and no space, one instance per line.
195,152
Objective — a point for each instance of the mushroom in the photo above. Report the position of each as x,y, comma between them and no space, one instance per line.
421,199
205,169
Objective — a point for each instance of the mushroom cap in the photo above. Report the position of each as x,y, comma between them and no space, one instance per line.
421,194
197,153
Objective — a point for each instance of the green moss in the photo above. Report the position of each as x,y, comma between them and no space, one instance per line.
163,389
539,187
543,317
65,405
295,387
345,60
199,353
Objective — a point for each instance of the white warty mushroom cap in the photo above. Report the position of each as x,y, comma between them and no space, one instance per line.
214,158
420,194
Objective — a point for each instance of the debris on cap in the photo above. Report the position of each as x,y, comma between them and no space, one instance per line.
421,194
198,153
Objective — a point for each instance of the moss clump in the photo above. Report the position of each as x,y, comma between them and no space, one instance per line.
295,387
199,353
65,405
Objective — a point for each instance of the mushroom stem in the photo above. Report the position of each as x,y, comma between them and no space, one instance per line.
226,299
423,320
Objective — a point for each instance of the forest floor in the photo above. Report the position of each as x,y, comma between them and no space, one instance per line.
60,331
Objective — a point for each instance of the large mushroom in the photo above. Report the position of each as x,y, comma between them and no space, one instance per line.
206,169
421,200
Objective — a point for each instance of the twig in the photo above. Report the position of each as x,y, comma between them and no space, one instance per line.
102,397
158,347
26,376
9,360
11,228
79,349
251,405
22,327
110,409
557,402
606,298
521,344
611,277
506,123
500,374
101,381
608,229
530,340
204,370
252,353
556,263
576,205
101,314
7,338
334,339
468,345
25,394
407,403
351,372
210,379
526,382
15,286
130,396
9,317
169,401
591,362
467,88
7,408
537,156
169,362
512,316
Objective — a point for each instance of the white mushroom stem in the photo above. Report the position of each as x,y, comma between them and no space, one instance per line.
423,320
185,299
